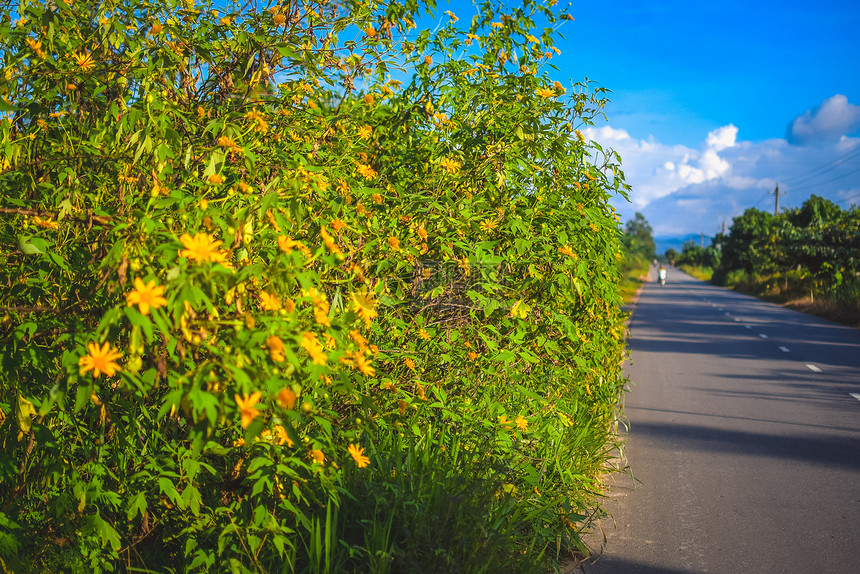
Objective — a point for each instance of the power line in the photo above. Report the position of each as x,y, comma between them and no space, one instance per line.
822,169
831,180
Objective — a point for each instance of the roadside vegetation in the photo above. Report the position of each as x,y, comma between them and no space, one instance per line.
807,258
639,252
301,287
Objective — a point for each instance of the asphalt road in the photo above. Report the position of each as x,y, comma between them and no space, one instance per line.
744,440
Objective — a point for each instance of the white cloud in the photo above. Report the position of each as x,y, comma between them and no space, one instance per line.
835,118
722,138
683,190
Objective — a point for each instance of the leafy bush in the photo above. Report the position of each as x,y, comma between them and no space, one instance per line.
268,306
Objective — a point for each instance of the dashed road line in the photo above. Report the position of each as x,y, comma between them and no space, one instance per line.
855,395
762,335
747,326
813,368
784,349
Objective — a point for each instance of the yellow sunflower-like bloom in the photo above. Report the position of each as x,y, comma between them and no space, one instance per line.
366,171
201,247
246,407
451,166
357,454
544,93
522,423
286,398
364,365
365,306
365,132
276,348
84,61
146,296
311,344
317,455
269,302
566,250
100,360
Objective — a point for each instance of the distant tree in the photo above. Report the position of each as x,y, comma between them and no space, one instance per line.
638,237
671,255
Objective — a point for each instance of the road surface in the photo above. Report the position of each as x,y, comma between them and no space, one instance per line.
744,440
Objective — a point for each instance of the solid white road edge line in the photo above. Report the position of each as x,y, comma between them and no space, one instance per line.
813,368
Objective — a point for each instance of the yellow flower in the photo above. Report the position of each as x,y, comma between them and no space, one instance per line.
370,32
394,243
472,355
216,179
318,456
269,301
503,421
487,225
201,247
286,244
260,124
85,61
410,364
286,398
146,296
450,165
451,15
157,28
377,198
229,143
545,93
48,223
366,171
247,408
331,244
311,344
365,132
283,437
338,225
279,19
365,306
428,60
522,423
100,360
424,334
422,233
363,365
566,250
357,454
276,348
359,339
368,99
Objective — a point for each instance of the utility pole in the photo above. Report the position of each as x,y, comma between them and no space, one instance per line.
776,202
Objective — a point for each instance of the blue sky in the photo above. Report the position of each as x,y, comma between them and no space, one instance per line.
715,103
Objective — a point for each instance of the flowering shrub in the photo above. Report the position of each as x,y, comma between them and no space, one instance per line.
287,285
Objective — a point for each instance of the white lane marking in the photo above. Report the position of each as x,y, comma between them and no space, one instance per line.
784,349
855,395
713,304
762,335
728,314
813,368
736,320
747,326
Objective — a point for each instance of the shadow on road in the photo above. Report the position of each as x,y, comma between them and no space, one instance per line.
611,564
829,451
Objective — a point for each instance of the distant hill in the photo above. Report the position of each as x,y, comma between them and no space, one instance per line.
676,242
